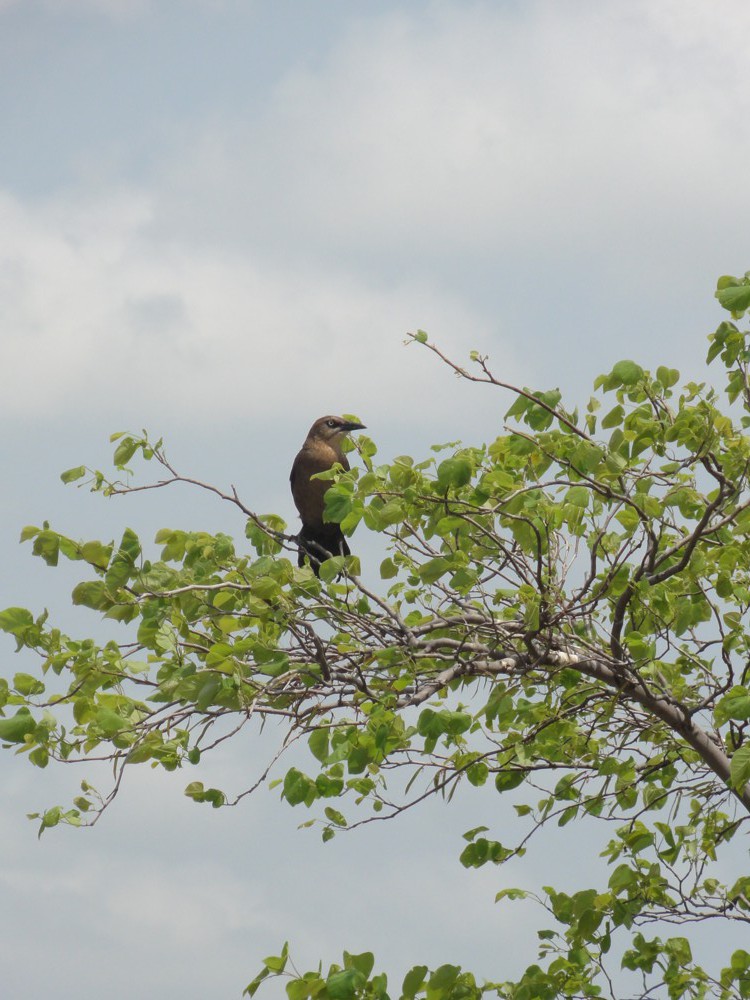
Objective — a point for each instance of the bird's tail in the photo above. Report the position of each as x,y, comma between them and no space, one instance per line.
320,543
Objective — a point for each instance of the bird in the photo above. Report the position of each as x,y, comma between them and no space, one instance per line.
318,539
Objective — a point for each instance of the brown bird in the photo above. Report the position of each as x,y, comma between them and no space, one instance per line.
319,540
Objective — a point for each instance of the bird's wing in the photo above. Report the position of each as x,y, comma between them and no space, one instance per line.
309,493
299,478
294,474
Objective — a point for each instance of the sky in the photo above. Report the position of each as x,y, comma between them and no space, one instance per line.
218,220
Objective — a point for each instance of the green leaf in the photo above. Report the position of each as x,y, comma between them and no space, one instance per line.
390,513
122,567
477,773
331,569
71,475
472,834
109,722
734,705
47,546
413,981
198,793
50,818
364,963
327,787
505,781
739,767
345,985
336,817
623,878
277,963
735,298
434,724
18,727
613,418
15,620
444,977
338,503
97,554
511,893
627,372
298,788
125,451
578,496
454,472
92,594
252,987
519,406
318,743
482,852
194,790
433,569
388,569
27,685
667,376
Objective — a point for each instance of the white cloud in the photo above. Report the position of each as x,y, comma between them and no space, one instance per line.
111,8
696,26
97,316
453,168
433,159
476,130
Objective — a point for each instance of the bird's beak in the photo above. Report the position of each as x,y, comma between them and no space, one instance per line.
352,425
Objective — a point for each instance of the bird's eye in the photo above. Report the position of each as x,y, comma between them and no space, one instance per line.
331,423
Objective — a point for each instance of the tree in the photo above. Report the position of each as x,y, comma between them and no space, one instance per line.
563,620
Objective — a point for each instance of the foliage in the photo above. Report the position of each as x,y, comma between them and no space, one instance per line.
562,621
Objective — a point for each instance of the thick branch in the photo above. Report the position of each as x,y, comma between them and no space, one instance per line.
673,715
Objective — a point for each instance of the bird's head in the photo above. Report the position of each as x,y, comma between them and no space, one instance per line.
332,429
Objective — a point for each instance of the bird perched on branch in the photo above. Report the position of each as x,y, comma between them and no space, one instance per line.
319,540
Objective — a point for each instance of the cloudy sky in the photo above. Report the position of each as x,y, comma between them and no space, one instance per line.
218,218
